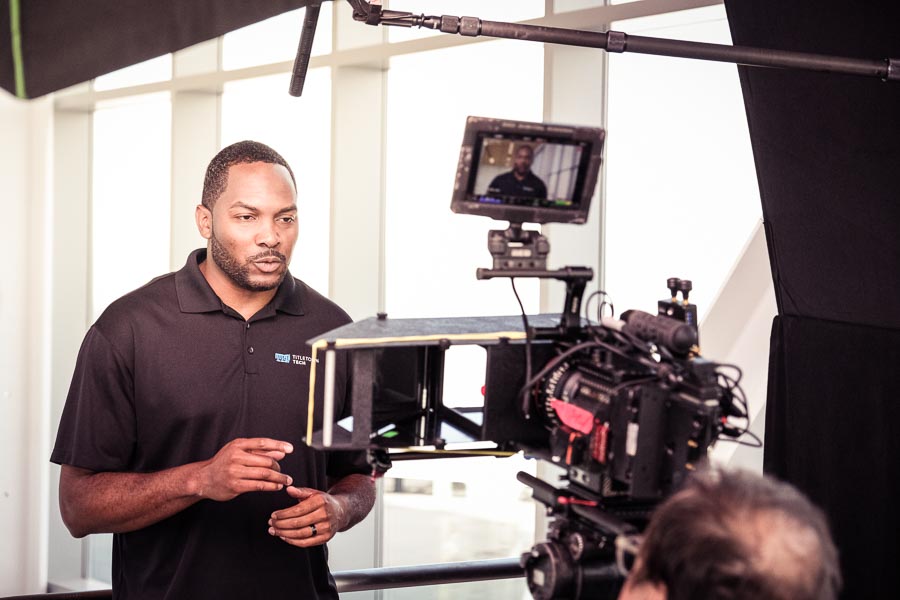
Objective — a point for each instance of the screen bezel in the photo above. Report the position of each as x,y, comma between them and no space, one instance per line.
466,201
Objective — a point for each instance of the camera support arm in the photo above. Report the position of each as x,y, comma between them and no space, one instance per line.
554,499
615,41
576,279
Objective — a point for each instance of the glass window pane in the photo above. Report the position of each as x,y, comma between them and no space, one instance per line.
300,130
508,12
682,197
431,252
457,509
274,40
131,196
453,510
100,561
150,71
561,6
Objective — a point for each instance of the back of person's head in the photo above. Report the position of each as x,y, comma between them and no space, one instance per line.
246,151
738,536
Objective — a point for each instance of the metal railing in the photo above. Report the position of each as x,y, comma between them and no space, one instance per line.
371,579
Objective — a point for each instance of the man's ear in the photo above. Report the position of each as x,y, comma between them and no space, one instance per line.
642,591
203,216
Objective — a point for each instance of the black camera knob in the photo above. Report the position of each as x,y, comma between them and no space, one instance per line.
496,243
685,286
672,283
549,571
576,545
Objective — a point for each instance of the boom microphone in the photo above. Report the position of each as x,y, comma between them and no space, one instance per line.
304,50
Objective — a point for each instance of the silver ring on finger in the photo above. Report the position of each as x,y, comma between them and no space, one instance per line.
313,529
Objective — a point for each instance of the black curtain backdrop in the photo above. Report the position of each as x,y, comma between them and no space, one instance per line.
833,430
827,152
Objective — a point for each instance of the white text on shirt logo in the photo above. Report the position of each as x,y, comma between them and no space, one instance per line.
296,359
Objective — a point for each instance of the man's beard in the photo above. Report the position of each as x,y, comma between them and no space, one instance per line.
240,273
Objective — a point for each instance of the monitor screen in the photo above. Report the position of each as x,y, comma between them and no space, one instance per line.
527,172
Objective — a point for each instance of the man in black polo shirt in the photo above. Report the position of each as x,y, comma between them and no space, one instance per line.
182,429
521,181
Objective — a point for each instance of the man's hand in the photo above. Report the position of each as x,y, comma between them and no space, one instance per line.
244,465
100,502
314,520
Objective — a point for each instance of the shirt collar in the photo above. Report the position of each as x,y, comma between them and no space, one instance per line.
196,296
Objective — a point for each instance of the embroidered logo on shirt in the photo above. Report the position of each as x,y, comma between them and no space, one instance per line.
296,359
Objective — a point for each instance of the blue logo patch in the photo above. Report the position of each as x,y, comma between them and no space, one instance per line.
296,359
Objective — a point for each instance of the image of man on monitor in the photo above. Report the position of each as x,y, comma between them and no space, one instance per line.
521,181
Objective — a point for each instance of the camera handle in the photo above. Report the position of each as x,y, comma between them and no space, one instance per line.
576,279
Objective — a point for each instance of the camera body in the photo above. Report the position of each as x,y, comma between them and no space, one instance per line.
622,431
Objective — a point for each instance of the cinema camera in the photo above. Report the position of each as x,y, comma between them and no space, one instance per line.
626,406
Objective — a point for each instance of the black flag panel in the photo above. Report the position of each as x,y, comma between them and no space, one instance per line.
47,45
827,155
836,436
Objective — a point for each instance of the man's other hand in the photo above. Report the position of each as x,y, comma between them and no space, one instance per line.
314,520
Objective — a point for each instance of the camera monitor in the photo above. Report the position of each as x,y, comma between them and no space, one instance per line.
526,172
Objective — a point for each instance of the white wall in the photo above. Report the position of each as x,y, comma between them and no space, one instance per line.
23,396
736,330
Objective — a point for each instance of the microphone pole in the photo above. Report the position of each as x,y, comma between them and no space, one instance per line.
887,69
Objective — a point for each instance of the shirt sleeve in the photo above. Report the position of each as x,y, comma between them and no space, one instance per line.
97,428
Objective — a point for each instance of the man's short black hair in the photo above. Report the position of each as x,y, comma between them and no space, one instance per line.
528,147
246,151
739,536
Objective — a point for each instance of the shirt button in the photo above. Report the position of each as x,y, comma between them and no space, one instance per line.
250,349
